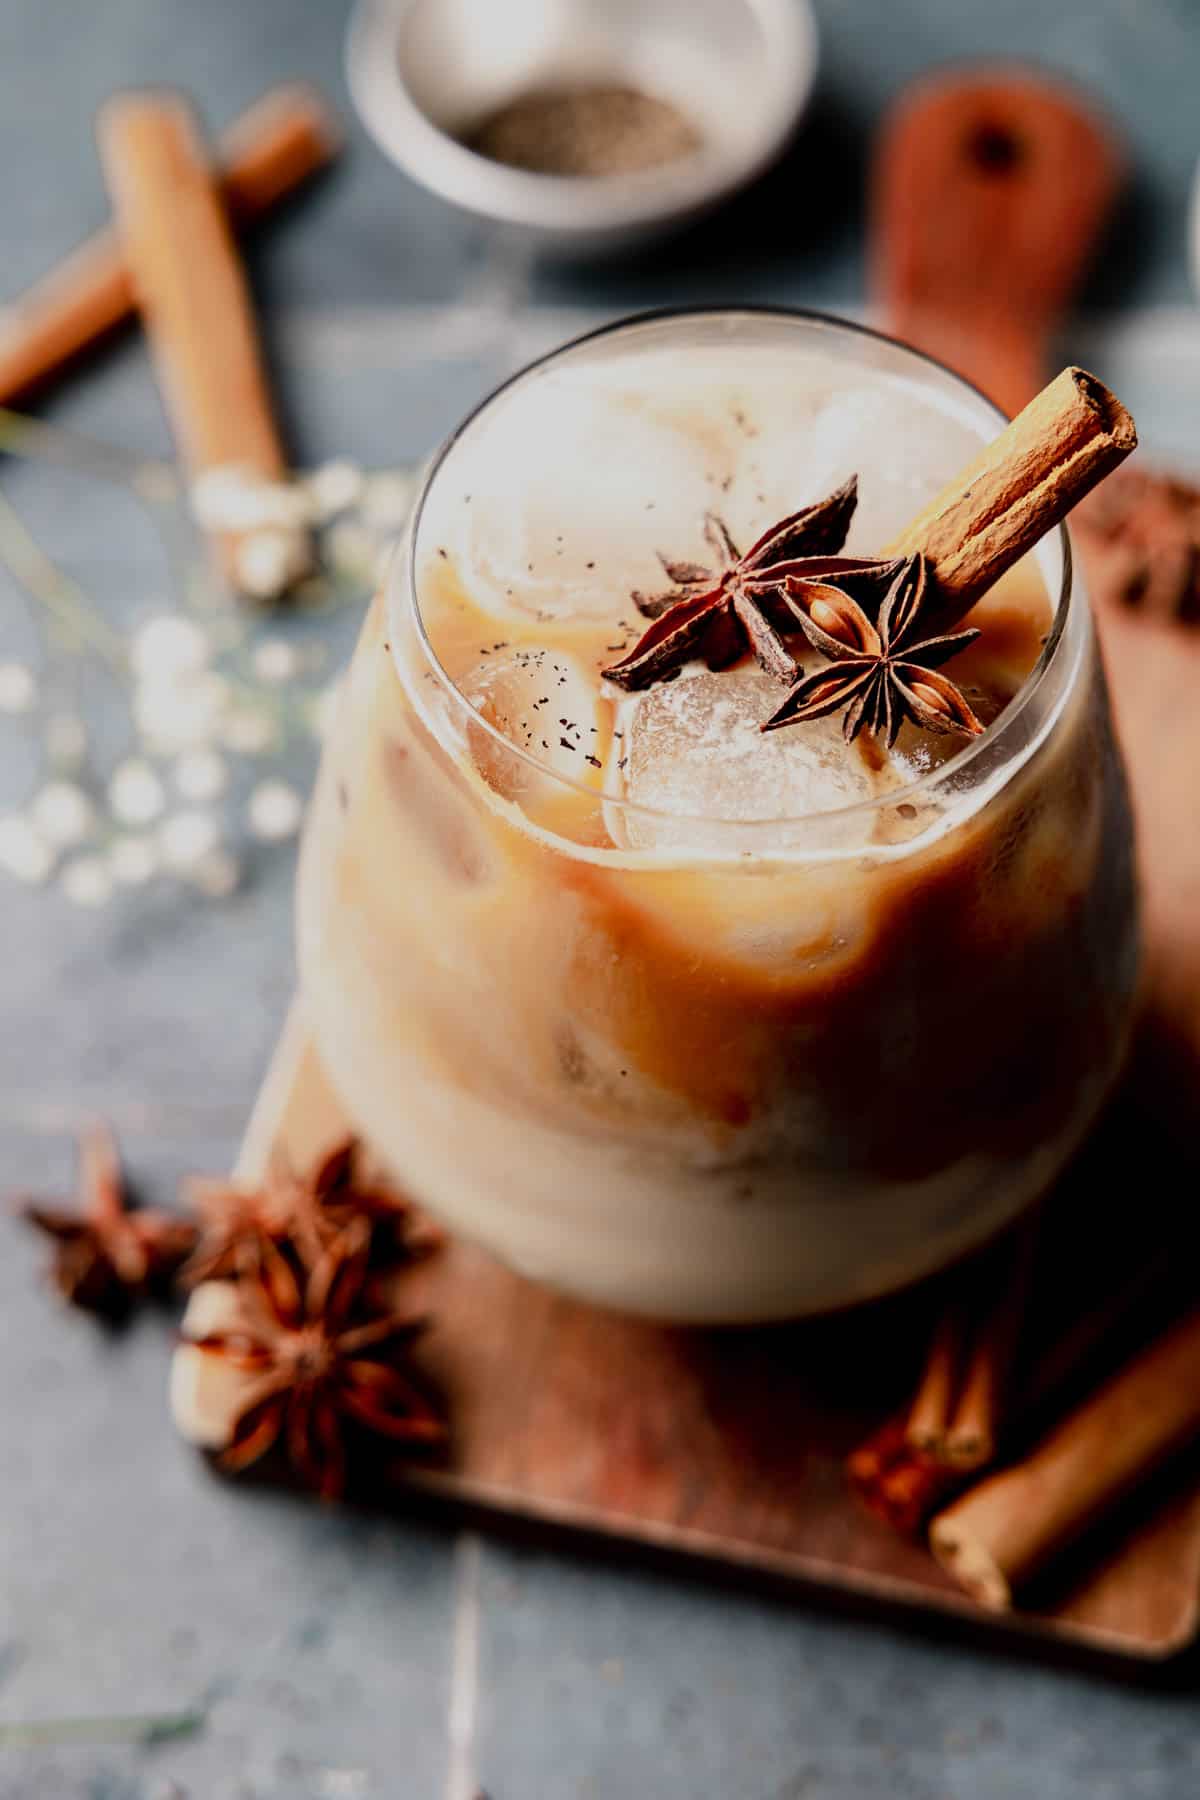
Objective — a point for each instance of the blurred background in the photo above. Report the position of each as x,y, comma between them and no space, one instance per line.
162,1636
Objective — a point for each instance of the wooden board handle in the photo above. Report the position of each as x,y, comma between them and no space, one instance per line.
988,194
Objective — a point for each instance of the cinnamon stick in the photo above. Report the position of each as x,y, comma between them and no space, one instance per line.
193,297
896,1483
1003,1531
972,1434
274,147
1073,434
933,1405
956,1413
904,1485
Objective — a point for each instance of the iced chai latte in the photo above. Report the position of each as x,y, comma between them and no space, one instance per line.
674,1012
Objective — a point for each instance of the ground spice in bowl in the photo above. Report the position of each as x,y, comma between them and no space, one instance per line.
584,131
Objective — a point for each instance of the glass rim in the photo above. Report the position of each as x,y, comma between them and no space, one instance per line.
404,564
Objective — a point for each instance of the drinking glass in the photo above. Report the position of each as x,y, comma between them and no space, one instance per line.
701,1067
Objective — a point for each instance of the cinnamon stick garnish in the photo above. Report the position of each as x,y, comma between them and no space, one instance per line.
1003,1531
1073,434
279,143
193,297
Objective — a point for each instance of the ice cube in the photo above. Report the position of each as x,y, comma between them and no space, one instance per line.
902,449
560,508
693,751
559,500
545,703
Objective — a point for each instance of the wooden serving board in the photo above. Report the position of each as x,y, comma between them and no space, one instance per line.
728,1445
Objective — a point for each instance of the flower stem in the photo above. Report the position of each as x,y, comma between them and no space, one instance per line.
154,480
62,597
137,1728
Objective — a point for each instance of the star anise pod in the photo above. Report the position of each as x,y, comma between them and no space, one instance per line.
1140,532
322,1358
307,1210
883,672
106,1256
718,613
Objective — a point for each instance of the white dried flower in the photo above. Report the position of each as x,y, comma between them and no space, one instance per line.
184,713
18,689
135,792
333,488
186,838
276,660
274,811
23,854
217,874
201,775
86,881
387,499
218,497
233,497
344,1784
62,814
268,561
247,731
351,548
133,861
66,740
169,646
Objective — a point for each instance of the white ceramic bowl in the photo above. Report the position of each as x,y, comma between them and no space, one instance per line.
424,72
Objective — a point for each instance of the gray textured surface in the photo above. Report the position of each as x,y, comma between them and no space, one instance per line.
341,1656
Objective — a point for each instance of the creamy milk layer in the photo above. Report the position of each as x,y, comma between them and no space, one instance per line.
668,1012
